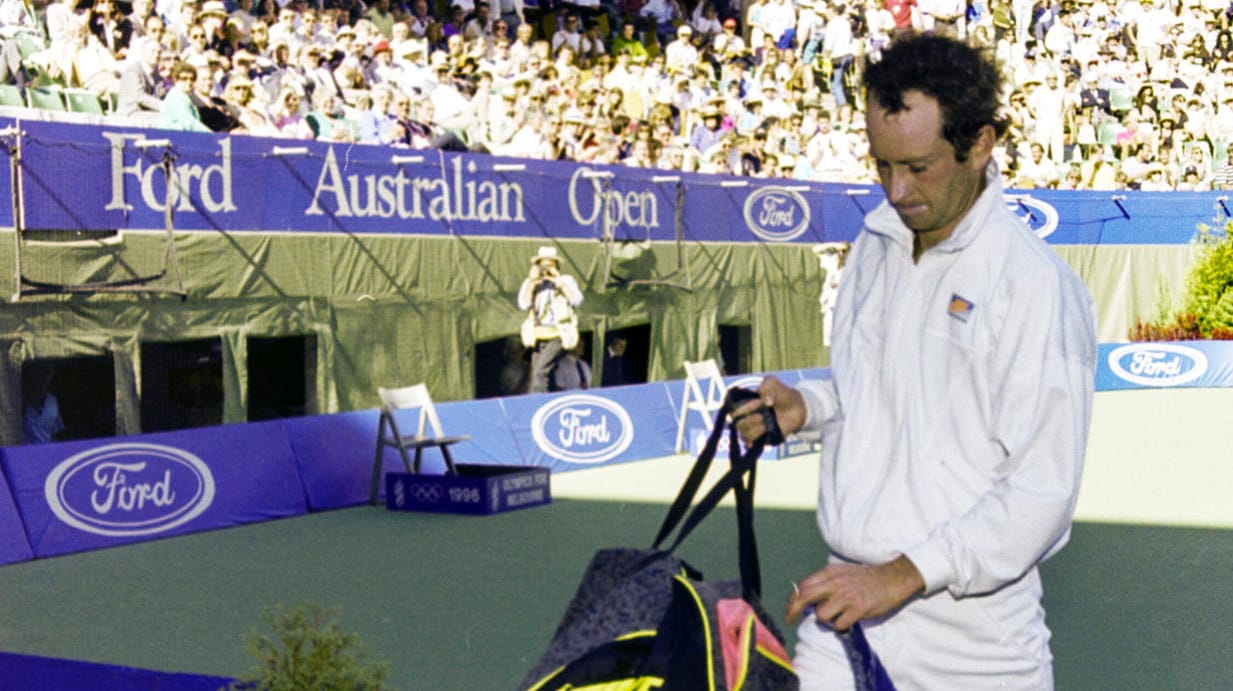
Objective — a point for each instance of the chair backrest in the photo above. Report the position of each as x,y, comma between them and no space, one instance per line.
10,95
1121,99
696,373
413,398
82,101
29,44
47,99
705,403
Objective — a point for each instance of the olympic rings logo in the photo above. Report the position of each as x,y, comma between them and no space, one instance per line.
427,494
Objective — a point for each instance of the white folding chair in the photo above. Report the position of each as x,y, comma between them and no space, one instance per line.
416,400
705,402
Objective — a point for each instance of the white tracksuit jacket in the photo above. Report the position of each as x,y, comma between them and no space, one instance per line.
953,432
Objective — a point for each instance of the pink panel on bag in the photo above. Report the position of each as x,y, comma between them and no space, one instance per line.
732,616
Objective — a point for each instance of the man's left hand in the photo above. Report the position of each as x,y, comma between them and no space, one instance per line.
844,594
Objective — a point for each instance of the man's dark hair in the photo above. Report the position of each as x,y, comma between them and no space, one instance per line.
965,81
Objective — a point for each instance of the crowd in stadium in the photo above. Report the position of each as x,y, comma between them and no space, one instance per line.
1101,94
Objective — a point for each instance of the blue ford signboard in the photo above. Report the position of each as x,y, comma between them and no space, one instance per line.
14,546
575,430
1164,365
75,496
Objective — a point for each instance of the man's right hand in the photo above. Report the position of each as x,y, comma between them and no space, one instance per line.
787,402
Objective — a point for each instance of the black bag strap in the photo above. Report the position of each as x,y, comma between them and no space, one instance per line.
693,481
739,479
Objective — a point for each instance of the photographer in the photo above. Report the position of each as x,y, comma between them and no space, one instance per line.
549,298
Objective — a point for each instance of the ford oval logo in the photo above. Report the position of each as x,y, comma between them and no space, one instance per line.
129,489
1037,215
776,214
1157,364
580,428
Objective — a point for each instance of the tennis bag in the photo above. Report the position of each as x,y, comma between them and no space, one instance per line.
645,619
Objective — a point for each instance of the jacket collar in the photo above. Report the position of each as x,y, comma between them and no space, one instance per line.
885,221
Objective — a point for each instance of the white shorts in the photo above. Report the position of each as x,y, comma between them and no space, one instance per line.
996,641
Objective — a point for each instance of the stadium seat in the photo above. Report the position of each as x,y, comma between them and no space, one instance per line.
1121,99
82,101
705,403
1108,134
45,98
415,401
1220,151
10,95
29,44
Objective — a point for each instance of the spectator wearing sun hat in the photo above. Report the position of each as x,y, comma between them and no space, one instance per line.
709,129
549,298
681,53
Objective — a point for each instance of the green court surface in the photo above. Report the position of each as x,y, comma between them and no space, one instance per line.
1141,598
458,602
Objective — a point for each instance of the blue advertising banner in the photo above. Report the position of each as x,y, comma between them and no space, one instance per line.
73,496
76,496
36,672
14,546
486,422
1065,217
8,128
576,430
1193,364
244,183
239,183
335,457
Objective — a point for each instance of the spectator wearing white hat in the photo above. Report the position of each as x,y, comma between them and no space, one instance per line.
1047,102
681,54
549,299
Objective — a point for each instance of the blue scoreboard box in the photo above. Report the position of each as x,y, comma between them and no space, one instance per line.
476,489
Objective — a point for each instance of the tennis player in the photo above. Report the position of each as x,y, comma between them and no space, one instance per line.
954,427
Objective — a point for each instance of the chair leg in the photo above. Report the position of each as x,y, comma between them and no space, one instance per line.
449,460
376,473
406,460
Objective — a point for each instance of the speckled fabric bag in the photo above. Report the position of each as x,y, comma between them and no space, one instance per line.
645,619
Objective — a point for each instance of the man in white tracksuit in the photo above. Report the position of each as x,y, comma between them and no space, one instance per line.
954,427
